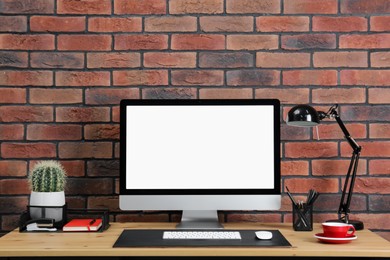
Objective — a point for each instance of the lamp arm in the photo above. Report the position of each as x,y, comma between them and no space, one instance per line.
352,171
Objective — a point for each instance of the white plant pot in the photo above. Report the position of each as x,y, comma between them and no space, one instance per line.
42,199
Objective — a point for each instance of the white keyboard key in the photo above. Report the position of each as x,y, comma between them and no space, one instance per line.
201,235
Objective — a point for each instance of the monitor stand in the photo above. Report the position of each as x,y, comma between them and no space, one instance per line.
199,219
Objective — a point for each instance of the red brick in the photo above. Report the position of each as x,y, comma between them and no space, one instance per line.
115,114
14,187
171,24
231,93
84,6
13,24
340,59
378,95
53,132
140,7
170,59
73,168
331,202
11,132
379,166
310,77
198,42
23,78
85,150
365,77
292,168
310,7
379,23
57,60
336,167
195,6
308,41
253,78
26,42
84,42
339,24
105,24
82,114
89,186
379,130
288,133
290,96
27,6
282,60
57,24
252,42
226,23
225,60
13,59
101,168
113,60
256,218
55,96
13,204
111,203
311,150
10,222
365,113
104,96
282,24
140,77
303,185
141,42
364,7
197,77
380,59
26,114
12,95
253,6
82,78
116,150
333,131
13,168
101,131
75,202
142,217
365,41
167,93
339,95
376,202
369,185
28,150
369,149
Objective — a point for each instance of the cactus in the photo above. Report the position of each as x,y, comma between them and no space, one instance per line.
48,176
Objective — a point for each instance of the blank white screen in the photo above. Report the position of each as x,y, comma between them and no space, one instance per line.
200,147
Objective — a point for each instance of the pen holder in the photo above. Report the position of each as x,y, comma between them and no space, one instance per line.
303,217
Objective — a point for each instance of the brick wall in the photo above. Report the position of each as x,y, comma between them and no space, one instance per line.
65,65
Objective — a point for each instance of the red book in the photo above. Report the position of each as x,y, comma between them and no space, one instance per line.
88,224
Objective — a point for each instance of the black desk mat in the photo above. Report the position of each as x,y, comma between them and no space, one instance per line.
153,238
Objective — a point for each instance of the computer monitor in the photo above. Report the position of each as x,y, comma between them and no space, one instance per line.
200,156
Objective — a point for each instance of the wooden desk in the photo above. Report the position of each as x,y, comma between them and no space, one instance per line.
17,244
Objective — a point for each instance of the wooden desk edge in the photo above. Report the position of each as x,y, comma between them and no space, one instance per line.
17,244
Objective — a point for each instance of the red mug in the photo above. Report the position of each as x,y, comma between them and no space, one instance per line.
335,229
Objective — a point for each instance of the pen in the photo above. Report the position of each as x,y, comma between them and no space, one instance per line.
92,221
303,218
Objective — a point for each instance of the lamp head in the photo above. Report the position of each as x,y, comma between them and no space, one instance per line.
303,116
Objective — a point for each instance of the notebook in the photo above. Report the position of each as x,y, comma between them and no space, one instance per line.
88,224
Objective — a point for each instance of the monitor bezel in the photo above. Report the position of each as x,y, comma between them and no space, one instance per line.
206,102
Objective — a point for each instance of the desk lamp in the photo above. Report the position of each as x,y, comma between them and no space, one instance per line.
307,116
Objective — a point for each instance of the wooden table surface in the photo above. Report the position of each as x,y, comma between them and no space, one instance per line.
16,244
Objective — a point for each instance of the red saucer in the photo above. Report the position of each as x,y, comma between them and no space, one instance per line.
334,240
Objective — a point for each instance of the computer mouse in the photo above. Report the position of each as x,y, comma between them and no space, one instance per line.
263,235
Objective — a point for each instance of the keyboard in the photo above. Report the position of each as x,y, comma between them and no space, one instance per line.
228,235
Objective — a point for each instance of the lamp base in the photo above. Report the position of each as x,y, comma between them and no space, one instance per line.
358,225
